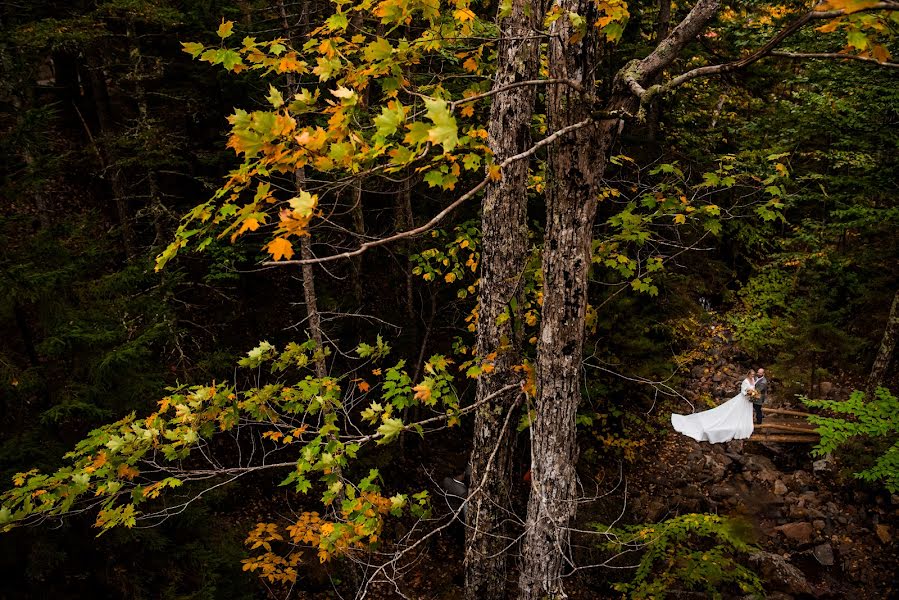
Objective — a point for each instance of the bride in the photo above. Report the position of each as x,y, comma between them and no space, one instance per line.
731,420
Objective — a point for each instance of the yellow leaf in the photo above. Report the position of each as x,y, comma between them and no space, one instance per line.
493,172
829,27
679,219
343,92
226,29
467,110
463,14
280,248
450,277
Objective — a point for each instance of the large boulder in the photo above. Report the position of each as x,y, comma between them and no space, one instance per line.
779,575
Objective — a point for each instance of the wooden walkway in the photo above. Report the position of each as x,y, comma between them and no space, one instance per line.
785,426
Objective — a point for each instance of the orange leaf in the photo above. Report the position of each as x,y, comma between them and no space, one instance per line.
363,386
280,248
128,472
422,392
493,172
249,224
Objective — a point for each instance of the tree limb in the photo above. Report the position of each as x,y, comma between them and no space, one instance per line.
646,95
833,55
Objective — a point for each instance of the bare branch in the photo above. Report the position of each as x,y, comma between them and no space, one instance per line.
833,55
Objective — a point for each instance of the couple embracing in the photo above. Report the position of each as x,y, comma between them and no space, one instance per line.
732,420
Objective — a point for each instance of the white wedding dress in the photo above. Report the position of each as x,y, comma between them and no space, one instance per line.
729,421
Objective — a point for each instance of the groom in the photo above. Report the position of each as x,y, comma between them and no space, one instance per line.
761,386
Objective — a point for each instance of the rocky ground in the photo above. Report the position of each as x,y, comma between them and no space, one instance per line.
820,535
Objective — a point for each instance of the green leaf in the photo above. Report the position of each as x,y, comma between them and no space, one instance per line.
337,22
857,40
434,178
445,130
380,49
390,119
274,97
389,430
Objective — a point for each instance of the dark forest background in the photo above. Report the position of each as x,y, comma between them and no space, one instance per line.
110,133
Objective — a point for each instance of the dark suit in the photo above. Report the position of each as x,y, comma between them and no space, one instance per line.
761,386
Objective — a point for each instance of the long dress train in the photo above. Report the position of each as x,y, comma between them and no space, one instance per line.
729,421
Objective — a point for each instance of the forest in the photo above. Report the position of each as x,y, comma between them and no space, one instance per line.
396,298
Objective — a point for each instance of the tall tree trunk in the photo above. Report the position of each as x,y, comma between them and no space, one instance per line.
156,207
887,346
403,221
100,94
309,297
575,168
503,260
575,165
359,230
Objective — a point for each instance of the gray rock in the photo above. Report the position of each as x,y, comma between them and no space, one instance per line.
821,465
824,554
720,491
801,479
779,575
826,388
774,596
755,462
717,377
780,488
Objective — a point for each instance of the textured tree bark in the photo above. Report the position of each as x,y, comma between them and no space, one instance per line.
313,319
575,165
403,221
299,178
359,229
887,346
575,168
503,260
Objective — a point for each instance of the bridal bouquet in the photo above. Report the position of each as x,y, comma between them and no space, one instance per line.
752,393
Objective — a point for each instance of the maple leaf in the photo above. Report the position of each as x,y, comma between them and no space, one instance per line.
304,203
249,224
445,130
363,386
127,472
280,248
422,391
275,97
193,48
343,92
464,14
226,29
